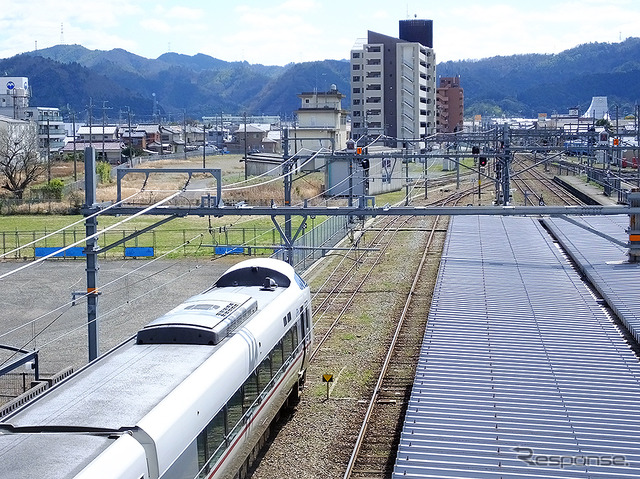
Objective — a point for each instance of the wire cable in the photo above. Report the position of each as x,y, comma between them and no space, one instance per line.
68,226
108,228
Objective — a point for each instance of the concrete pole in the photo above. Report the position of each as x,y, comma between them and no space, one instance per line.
91,228
286,165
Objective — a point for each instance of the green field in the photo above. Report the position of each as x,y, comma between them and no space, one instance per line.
181,236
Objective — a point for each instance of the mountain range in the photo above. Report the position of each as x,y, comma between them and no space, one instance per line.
70,76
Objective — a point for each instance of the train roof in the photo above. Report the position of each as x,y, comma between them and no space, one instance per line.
117,390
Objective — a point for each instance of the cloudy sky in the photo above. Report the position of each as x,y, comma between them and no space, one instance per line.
277,32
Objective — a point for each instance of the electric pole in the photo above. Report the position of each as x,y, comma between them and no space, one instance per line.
75,159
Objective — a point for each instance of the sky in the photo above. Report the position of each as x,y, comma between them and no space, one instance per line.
277,32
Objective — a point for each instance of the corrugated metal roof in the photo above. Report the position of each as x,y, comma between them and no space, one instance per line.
520,368
605,263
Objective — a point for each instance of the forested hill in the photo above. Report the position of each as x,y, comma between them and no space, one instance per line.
530,84
67,76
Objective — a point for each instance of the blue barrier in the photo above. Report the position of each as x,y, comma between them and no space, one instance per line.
73,252
139,252
222,250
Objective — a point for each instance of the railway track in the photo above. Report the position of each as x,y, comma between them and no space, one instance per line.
345,284
375,446
357,300
538,188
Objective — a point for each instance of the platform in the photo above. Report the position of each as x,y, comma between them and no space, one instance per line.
522,374
605,263
586,190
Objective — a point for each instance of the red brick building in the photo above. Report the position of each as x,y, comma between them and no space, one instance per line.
450,105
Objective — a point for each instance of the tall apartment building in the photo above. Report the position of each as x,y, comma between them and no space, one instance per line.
393,89
450,105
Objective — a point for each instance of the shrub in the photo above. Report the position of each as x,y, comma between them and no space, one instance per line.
104,171
53,189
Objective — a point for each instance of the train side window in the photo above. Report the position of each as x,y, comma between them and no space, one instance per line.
264,373
250,391
216,437
276,358
211,442
287,343
234,414
295,337
203,453
308,318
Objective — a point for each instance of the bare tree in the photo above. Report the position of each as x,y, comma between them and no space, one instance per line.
20,161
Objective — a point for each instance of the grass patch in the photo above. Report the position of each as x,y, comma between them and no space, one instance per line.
16,231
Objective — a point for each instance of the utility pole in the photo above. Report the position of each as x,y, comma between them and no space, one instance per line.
638,141
104,115
48,152
91,228
184,130
506,160
130,146
204,144
75,159
286,166
406,180
245,145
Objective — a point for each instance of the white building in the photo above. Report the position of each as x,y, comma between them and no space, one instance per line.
51,129
14,96
322,123
599,108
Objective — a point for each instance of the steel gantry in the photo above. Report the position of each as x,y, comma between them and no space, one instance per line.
496,144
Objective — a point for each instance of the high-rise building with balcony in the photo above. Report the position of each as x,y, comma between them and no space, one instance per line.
393,89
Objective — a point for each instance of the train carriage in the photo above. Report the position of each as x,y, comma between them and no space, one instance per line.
192,395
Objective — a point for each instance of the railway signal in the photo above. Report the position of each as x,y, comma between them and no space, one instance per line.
327,378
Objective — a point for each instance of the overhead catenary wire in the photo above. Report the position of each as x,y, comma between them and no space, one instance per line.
106,314
237,188
102,287
268,172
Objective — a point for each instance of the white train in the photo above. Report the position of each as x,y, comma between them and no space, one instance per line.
192,395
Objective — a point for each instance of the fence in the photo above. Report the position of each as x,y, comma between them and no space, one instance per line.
14,384
314,244
252,239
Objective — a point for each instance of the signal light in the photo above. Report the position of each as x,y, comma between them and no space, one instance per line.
475,150
483,161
